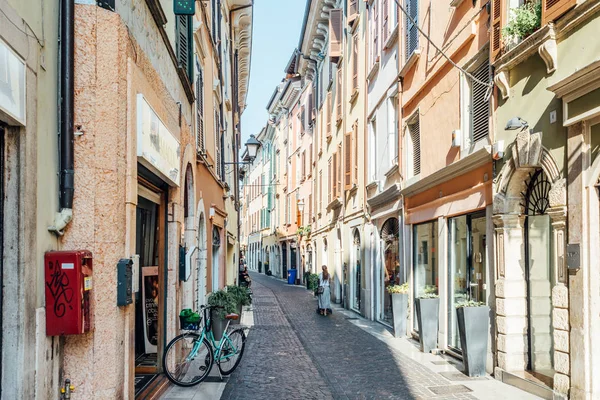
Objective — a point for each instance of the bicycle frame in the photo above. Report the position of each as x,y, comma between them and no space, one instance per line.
217,345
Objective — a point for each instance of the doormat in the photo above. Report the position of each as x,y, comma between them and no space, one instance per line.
146,360
142,382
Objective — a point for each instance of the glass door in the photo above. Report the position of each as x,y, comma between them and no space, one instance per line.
467,267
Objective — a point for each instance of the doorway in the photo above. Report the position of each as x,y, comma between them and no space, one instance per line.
284,260
148,297
390,268
356,274
467,267
539,275
216,256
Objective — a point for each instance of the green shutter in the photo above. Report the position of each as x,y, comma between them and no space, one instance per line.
184,45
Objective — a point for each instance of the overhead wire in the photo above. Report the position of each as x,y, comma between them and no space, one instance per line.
440,51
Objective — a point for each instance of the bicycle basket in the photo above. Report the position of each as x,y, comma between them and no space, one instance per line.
189,320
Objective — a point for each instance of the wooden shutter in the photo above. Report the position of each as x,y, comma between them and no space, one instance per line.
338,94
200,113
320,190
384,22
310,208
303,119
480,106
311,109
184,44
355,151
554,9
335,35
328,114
348,161
412,33
498,11
339,171
352,9
310,155
415,136
335,173
355,62
330,178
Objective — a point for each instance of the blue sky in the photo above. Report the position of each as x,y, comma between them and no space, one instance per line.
276,32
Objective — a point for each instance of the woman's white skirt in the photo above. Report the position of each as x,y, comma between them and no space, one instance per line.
325,298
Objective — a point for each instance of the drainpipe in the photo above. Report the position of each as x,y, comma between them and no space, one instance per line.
66,166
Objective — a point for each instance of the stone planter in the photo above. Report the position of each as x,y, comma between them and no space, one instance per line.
400,311
218,325
473,326
428,320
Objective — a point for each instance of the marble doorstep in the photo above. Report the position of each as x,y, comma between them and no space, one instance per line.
213,387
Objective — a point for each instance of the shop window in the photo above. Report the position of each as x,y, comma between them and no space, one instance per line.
390,270
467,266
425,262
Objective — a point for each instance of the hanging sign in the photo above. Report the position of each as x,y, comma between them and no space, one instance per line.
150,302
184,7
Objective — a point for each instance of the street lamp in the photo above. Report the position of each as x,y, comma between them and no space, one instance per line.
301,210
252,146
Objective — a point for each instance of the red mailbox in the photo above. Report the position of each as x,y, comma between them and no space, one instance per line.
68,281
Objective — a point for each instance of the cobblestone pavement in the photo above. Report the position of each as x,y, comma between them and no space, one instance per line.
294,353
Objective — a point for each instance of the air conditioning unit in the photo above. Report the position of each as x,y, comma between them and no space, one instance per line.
456,138
498,150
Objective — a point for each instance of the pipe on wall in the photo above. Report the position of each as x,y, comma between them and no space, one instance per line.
66,166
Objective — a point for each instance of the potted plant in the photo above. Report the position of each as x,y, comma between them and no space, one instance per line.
241,298
226,303
473,324
312,282
524,21
427,306
399,307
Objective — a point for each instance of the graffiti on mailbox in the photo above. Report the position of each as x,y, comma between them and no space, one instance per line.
59,288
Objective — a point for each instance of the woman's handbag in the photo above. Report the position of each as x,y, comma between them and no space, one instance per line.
320,290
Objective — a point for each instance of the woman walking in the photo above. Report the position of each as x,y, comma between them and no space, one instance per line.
324,292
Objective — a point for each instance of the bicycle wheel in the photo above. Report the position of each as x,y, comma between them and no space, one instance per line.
231,351
187,361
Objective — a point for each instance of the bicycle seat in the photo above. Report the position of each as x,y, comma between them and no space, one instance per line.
232,316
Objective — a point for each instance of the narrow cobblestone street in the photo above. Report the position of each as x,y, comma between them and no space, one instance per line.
293,353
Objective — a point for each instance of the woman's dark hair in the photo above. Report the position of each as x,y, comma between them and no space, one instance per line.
325,273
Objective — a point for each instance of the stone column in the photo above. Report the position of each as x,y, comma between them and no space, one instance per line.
579,280
560,301
511,292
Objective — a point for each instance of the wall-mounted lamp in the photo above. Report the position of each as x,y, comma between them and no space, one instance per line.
516,123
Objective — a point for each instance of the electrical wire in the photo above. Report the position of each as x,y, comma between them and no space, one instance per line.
23,31
440,51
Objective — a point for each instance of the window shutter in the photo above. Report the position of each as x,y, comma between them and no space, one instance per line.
183,44
303,119
310,208
384,21
335,35
335,173
311,109
328,114
412,33
480,107
355,146
498,22
352,9
348,161
355,62
200,113
339,171
375,29
330,178
338,98
310,155
320,190
415,136
554,9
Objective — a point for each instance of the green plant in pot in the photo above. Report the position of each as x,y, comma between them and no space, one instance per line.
241,298
427,305
473,327
399,295
226,304
313,282
523,22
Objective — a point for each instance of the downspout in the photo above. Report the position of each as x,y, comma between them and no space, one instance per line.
66,166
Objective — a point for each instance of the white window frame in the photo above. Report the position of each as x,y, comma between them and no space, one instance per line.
373,150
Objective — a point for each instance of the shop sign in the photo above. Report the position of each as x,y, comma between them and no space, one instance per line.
12,86
157,148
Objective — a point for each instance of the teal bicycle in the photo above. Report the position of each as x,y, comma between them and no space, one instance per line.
189,357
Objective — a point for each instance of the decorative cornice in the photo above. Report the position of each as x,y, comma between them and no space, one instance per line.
388,195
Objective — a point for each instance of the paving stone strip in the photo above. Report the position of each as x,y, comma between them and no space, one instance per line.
294,353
